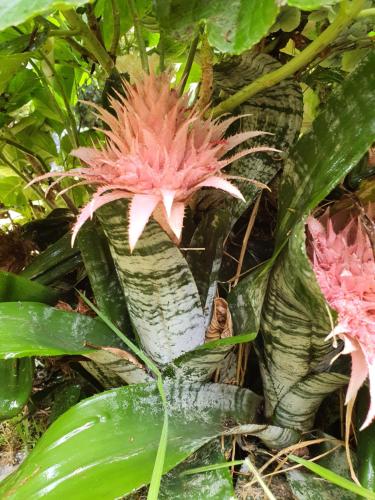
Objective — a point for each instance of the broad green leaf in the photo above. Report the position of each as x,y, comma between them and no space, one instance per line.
13,288
211,484
277,110
240,24
12,193
334,478
16,376
108,443
18,11
160,291
325,155
231,28
10,64
33,329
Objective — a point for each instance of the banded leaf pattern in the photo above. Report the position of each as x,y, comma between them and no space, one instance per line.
296,356
277,110
160,291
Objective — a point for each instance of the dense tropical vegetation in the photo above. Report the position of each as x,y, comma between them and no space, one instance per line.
214,164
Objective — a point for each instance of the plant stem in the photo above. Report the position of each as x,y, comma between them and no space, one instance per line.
24,177
189,63
63,33
347,13
27,151
71,118
90,40
116,28
138,35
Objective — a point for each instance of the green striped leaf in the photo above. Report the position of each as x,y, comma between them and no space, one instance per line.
200,364
108,443
278,111
295,323
160,291
322,158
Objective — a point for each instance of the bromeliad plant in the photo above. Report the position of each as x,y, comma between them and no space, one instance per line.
146,239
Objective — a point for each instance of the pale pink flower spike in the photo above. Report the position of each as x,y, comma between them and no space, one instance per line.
158,153
344,265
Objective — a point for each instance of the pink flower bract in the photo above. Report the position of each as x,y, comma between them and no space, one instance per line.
343,261
158,153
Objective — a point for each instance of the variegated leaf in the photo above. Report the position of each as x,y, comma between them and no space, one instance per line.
160,291
277,110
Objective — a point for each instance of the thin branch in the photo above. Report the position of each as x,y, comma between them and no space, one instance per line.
207,64
93,23
138,35
90,40
24,177
27,151
346,15
71,117
116,28
249,228
189,63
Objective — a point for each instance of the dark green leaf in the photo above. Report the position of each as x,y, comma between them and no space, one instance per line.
16,376
13,288
102,275
212,484
108,443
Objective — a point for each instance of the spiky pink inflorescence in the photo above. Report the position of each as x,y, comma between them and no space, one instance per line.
158,153
343,261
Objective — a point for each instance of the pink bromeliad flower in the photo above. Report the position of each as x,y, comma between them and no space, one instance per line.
343,261
158,153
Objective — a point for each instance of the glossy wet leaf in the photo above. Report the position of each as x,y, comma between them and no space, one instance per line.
33,329
16,378
101,445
